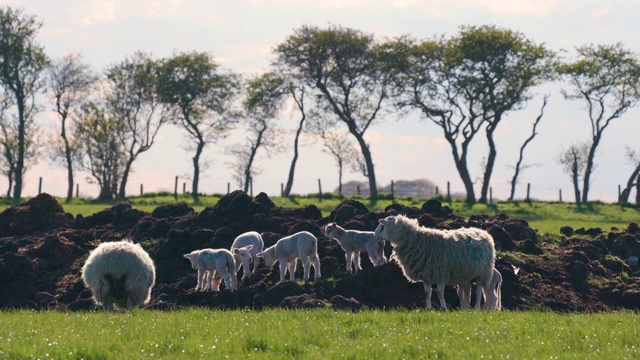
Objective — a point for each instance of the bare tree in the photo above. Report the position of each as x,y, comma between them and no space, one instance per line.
22,64
70,81
574,161
133,103
607,78
519,167
343,152
297,90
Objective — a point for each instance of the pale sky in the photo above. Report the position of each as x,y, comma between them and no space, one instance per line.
241,35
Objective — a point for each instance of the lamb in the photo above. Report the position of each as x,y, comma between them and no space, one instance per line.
244,249
211,261
353,242
287,250
119,274
441,256
464,292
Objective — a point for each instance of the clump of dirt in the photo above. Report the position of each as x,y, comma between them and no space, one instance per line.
42,250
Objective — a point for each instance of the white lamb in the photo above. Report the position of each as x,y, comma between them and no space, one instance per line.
355,241
119,274
464,292
210,261
441,257
244,249
287,250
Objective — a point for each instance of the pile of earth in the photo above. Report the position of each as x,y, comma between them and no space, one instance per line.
42,250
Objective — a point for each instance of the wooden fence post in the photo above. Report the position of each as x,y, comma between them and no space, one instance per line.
319,191
619,194
141,189
358,189
449,191
228,188
77,190
175,189
251,186
490,194
392,193
528,191
560,192
437,191
184,187
40,186
281,189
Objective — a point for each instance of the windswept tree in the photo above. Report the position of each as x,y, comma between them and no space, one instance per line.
519,167
607,79
70,81
573,161
469,83
297,91
200,96
102,154
22,66
346,68
133,103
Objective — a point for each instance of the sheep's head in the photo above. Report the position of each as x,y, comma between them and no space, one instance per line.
269,256
328,230
384,229
192,256
242,254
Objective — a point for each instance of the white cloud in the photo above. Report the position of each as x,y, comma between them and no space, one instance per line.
100,12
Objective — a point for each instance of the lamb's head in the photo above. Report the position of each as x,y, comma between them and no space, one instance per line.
328,230
269,256
192,256
385,229
242,254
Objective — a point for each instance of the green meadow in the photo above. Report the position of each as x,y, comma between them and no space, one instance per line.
318,334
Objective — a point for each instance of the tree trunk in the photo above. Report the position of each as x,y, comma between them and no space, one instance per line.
638,191
576,178
491,159
373,187
67,156
292,168
340,176
589,168
196,172
17,190
125,177
624,196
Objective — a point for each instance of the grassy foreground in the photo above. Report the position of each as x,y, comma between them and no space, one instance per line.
318,334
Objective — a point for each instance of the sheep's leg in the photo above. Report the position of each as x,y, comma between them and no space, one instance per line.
215,283
440,291
427,291
283,269
256,262
107,304
316,266
306,264
208,278
246,270
356,260
464,294
499,295
292,269
227,278
129,303
347,255
201,275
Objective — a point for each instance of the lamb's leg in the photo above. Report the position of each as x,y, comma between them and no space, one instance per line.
246,270
201,274
347,255
215,283
464,294
256,262
208,280
356,260
283,269
107,304
427,291
316,267
440,290
479,291
306,264
227,278
292,269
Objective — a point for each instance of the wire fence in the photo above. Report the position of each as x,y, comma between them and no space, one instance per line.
306,186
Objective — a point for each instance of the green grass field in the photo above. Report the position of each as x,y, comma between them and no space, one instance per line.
317,334
545,217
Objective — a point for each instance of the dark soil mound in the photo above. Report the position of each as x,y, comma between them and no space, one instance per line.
42,250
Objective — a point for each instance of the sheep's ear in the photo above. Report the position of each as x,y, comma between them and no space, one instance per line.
235,250
188,256
261,254
249,247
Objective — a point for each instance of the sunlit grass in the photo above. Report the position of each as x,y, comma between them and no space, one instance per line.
317,334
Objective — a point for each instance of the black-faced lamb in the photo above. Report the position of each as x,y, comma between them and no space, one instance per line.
286,251
442,257
119,274
353,242
244,249
208,262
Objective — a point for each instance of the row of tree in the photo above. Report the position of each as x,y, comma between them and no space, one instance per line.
340,81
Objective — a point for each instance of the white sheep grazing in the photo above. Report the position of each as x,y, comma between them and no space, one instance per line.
244,249
442,257
119,273
464,292
210,261
287,250
355,241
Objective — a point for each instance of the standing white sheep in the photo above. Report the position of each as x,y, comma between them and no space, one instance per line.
355,241
442,257
287,250
119,273
244,249
210,261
